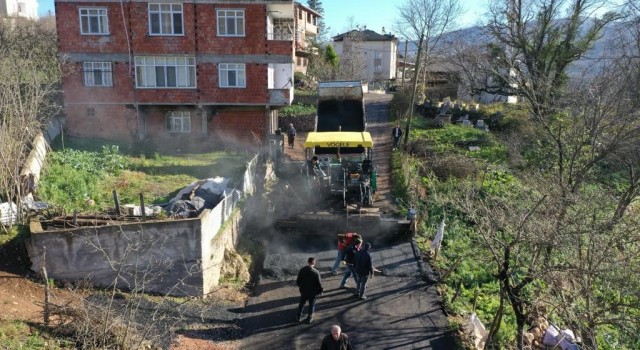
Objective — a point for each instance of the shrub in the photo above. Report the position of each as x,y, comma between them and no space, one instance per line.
65,186
299,79
72,176
297,109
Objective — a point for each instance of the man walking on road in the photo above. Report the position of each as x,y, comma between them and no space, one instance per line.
364,269
310,286
350,261
291,135
397,134
336,340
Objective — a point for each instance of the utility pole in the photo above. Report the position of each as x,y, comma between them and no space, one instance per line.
413,94
404,63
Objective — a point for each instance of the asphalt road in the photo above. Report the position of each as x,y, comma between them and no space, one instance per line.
402,310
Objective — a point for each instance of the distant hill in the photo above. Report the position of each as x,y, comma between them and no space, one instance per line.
603,49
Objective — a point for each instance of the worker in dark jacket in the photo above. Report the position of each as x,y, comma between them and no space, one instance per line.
364,269
336,340
396,133
291,135
310,285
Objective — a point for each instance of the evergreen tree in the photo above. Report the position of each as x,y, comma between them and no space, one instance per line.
330,56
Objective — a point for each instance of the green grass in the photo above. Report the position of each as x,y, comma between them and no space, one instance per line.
19,335
456,139
76,175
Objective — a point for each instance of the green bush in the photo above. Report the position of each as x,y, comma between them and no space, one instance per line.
456,139
66,187
298,109
108,160
72,176
299,78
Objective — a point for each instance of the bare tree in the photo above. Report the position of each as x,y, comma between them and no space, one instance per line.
424,22
584,123
29,78
536,43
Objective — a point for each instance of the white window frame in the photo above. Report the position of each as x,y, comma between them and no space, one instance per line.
166,12
377,55
91,70
178,122
98,14
224,17
158,72
224,71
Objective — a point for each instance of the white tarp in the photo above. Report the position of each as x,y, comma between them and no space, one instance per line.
8,213
477,331
559,338
435,244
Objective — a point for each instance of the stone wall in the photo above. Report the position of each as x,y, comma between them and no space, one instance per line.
174,257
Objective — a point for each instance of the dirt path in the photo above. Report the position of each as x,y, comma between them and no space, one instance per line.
379,125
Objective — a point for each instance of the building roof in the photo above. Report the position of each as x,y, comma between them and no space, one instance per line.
366,35
308,9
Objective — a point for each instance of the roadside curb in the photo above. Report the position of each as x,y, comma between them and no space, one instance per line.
426,271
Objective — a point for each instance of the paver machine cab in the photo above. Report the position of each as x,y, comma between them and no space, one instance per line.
350,177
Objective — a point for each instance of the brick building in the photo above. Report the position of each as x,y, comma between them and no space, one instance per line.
174,74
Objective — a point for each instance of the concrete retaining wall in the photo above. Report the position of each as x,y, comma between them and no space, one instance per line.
177,257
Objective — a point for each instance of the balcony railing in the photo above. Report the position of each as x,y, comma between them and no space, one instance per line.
280,36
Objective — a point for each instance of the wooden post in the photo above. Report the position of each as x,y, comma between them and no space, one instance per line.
404,64
46,286
116,202
144,214
475,299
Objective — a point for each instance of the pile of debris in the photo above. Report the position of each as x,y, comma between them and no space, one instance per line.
544,334
199,195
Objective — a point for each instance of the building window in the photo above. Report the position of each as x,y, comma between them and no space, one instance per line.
91,112
165,19
378,68
308,17
299,13
377,55
179,121
232,75
94,21
97,74
165,72
230,22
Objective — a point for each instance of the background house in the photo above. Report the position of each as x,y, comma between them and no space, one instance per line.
19,8
177,76
367,55
306,32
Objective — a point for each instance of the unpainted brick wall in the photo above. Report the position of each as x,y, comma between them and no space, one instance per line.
113,115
